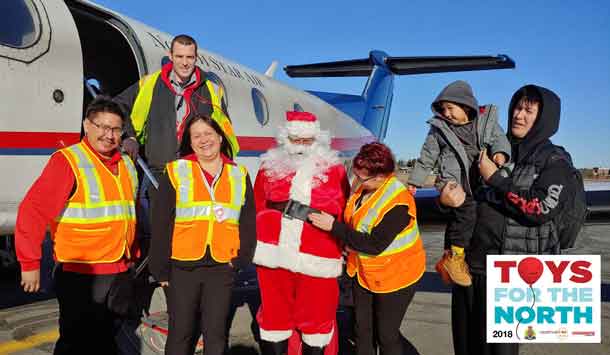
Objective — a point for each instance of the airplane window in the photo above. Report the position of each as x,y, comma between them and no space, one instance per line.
297,107
261,109
19,23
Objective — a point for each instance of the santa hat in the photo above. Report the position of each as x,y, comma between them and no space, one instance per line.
302,124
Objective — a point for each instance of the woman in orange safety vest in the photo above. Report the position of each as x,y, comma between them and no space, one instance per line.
386,256
202,232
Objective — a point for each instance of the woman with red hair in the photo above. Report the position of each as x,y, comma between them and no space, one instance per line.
386,254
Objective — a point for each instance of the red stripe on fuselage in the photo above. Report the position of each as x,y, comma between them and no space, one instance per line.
256,143
25,140
58,140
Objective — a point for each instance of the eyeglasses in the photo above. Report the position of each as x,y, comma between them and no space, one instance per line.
117,131
363,180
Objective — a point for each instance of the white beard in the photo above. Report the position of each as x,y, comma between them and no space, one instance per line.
288,158
299,151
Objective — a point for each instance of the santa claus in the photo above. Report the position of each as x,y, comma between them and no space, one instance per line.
297,264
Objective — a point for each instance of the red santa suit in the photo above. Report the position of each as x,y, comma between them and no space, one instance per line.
297,264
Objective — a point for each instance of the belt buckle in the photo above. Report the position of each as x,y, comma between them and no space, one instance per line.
286,212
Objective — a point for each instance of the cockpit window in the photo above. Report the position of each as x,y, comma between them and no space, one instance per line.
19,23
297,107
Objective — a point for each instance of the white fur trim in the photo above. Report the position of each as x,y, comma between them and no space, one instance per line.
279,163
275,335
319,340
303,129
275,256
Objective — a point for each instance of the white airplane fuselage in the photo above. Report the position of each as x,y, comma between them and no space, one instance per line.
43,90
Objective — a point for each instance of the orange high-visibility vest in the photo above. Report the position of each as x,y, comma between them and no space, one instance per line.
403,262
206,216
98,223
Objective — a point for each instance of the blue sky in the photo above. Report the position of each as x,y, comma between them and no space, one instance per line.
564,46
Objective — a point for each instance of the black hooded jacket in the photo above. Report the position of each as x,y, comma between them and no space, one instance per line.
507,203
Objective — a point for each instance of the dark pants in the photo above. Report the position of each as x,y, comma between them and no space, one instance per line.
460,226
199,296
468,321
86,325
378,317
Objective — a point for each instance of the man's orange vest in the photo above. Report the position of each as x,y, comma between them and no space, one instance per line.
403,262
206,216
98,223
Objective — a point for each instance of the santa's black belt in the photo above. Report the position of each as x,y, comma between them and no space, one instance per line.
293,209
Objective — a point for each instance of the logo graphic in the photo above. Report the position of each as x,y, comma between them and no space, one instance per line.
530,334
543,298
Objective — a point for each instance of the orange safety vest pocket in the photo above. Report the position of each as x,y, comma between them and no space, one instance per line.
376,277
82,241
375,269
225,244
185,251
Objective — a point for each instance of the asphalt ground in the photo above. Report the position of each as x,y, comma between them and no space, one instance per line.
31,328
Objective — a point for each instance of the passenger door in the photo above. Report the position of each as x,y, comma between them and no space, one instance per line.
41,93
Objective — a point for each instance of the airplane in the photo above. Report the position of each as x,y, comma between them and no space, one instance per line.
58,54
75,49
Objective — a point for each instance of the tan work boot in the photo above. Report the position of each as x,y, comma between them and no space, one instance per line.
440,268
458,269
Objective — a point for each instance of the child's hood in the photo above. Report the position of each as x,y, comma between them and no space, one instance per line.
459,92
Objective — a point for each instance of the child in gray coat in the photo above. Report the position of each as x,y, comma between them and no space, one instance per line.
460,130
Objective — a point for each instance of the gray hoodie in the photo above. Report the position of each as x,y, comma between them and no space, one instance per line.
444,148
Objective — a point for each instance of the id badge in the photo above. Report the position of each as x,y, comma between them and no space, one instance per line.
219,213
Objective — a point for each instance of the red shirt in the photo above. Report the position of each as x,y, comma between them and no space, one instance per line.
44,201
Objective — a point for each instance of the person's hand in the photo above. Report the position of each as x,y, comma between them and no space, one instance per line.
412,189
486,167
452,195
164,283
131,147
322,220
499,159
30,280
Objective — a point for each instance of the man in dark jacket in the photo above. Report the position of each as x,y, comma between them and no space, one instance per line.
179,91
516,212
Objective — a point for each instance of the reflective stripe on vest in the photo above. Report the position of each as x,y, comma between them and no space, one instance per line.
143,101
141,106
206,215
96,209
97,224
187,209
404,239
219,115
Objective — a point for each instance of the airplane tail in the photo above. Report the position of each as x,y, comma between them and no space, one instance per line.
372,108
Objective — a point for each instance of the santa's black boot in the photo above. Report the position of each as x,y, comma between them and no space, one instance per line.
274,348
312,350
